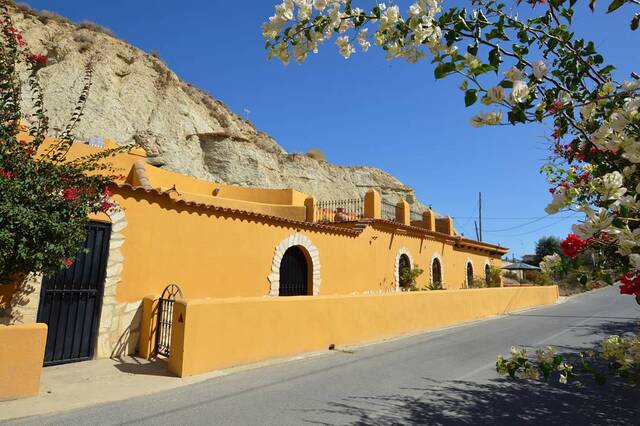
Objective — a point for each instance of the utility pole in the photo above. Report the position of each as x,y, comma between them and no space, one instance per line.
480,215
475,222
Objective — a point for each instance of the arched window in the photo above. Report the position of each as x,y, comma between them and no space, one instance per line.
436,271
469,275
487,274
294,277
404,264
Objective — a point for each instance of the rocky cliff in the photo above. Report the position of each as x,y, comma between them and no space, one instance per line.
135,97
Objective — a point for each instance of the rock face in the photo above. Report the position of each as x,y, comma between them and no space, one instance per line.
136,98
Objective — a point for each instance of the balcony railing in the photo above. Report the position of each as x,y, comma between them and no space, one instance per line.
388,211
333,211
416,215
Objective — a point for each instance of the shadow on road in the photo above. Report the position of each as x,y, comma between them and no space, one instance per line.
500,401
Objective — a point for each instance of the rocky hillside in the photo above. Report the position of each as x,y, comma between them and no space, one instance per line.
135,97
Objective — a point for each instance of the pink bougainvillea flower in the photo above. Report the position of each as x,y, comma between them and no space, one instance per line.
68,262
70,194
6,174
37,59
572,245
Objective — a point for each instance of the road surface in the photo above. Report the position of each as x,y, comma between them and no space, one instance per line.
444,377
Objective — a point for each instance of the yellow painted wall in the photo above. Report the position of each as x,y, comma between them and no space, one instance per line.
213,254
214,334
21,357
6,293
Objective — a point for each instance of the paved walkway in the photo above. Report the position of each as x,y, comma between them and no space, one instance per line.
442,377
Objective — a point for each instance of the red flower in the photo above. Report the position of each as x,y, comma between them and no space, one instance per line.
23,142
555,107
70,194
630,284
552,190
6,174
68,262
107,192
556,134
106,205
572,245
40,60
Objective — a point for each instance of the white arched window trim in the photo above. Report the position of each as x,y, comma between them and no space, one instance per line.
294,240
396,270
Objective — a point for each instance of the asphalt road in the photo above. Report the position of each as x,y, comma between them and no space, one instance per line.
444,377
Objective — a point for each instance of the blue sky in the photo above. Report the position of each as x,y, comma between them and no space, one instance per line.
365,110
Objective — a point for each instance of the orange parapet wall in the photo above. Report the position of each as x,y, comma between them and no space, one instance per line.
212,334
21,357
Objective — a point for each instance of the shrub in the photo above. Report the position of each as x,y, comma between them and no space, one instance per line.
316,154
44,199
494,277
408,277
436,286
478,282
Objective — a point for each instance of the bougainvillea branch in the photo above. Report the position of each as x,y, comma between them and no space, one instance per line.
45,197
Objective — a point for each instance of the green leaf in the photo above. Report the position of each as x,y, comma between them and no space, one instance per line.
470,97
444,69
615,4
635,22
495,58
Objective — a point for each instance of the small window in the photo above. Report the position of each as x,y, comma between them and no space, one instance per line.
436,272
469,275
404,264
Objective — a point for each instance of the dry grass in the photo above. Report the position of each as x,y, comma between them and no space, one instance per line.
316,154
90,25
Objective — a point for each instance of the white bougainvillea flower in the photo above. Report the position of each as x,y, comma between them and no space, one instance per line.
634,260
587,110
486,119
514,74
363,40
496,94
611,186
561,199
519,92
346,49
539,69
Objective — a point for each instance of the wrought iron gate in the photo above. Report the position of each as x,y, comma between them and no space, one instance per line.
293,273
70,301
165,315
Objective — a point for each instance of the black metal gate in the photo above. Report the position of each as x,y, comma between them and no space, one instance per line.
293,273
70,301
165,315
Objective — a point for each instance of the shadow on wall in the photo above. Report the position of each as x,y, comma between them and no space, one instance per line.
128,341
21,297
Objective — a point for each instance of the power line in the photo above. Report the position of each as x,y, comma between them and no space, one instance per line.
504,218
528,223
535,230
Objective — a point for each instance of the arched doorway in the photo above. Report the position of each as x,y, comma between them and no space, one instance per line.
294,277
403,264
436,271
469,275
